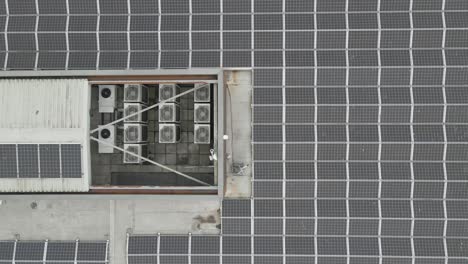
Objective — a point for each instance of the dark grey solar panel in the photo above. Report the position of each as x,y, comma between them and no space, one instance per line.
299,245
113,23
142,259
331,245
236,245
143,6
205,260
173,245
29,251
51,60
300,189
205,245
112,60
21,24
268,245
428,228
268,208
236,208
92,251
8,161
363,246
396,246
113,7
300,226
268,226
174,23
264,189
28,164
174,59
173,259
331,208
363,227
362,208
142,245
236,226
268,170
49,160
71,160
6,251
299,208
63,251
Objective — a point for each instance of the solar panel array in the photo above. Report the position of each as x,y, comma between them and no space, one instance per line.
359,111
64,252
40,161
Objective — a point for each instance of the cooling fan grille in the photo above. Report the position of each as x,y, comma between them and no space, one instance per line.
131,110
202,113
166,113
202,94
202,134
131,158
131,93
131,133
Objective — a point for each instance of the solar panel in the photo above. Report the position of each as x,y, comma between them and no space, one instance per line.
28,161
173,245
71,160
201,245
64,251
29,251
92,251
8,161
6,251
49,161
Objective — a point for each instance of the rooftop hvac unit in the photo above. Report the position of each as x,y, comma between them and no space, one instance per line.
107,135
136,93
107,95
202,93
135,133
201,113
139,149
131,108
202,134
169,113
169,133
167,91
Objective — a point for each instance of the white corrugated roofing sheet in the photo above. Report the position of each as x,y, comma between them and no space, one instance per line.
45,111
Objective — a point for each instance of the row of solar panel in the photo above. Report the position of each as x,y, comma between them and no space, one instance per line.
24,251
361,152
214,6
117,42
358,114
334,21
355,190
395,102
174,59
243,259
399,171
337,208
422,41
358,208
273,245
364,228
40,161
361,133
429,76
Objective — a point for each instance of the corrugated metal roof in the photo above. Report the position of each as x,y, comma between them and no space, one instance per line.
44,111
38,103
